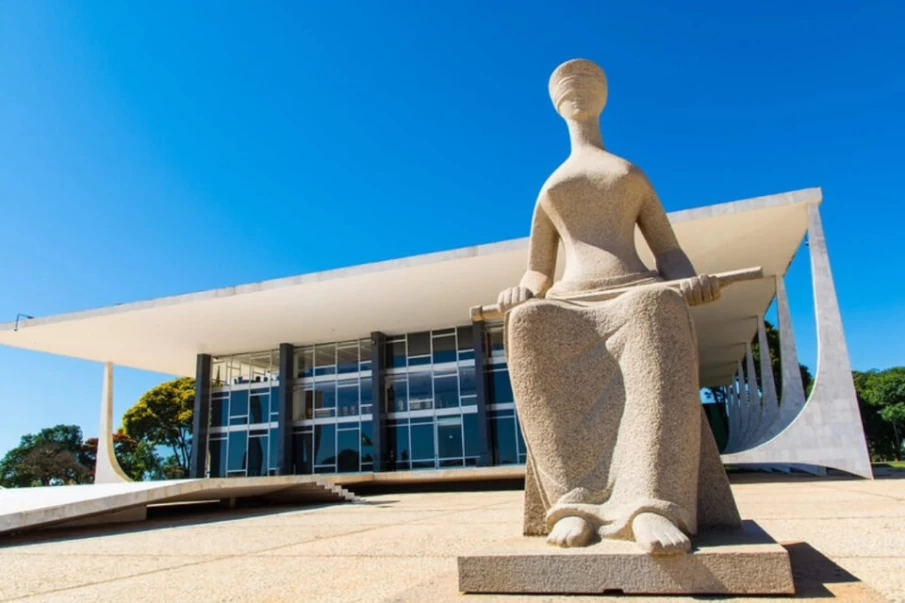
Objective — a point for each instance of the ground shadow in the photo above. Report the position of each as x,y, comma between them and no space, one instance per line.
812,571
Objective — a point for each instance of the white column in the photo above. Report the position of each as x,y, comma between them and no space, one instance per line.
107,469
793,398
768,386
753,399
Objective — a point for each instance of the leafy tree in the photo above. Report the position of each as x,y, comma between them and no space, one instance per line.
138,459
163,417
881,398
53,456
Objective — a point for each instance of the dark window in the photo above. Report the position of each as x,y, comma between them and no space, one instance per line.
444,349
419,344
449,437
238,403
347,359
398,446
325,444
423,442
397,393
274,462
347,445
274,403
218,412
396,353
466,338
367,394
367,444
472,441
504,448
258,408
238,442
467,382
446,391
420,394
301,452
218,457
257,453
347,398
500,388
325,394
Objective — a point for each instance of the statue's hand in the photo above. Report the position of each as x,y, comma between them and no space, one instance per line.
700,289
512,297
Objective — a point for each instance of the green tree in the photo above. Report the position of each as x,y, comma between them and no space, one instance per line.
881,398
163,417
137,459
53,456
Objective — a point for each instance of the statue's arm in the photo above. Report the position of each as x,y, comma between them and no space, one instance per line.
672,262
542,249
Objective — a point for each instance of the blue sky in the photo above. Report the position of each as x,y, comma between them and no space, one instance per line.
151,149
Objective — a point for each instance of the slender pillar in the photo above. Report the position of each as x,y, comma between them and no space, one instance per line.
201,416
482,386
734,418
754,416
285,464
793,397
378,397
767,384
107,469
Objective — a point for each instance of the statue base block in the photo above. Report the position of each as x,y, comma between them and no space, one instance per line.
737,562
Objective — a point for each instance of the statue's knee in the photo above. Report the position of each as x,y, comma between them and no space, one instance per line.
527,319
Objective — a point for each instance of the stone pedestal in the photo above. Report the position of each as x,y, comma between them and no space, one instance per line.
741,562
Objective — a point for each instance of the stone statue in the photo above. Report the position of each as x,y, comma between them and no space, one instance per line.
607,392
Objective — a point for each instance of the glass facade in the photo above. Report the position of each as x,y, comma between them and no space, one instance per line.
429,406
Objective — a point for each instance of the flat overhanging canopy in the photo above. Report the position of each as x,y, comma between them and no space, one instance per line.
419,293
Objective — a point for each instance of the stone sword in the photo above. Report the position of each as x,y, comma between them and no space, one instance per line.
492,312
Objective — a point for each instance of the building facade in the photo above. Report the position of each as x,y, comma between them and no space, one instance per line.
425,400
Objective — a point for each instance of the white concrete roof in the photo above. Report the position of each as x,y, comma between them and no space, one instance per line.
417,293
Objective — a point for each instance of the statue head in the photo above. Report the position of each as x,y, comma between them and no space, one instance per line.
578,89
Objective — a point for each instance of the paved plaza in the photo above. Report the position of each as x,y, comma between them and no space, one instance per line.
846,539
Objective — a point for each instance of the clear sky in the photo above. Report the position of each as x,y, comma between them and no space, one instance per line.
156,148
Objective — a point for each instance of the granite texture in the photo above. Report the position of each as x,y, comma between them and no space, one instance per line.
723,562
608,391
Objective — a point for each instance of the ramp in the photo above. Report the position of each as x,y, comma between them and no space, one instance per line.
24,509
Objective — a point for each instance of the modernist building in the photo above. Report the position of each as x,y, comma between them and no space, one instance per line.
379,368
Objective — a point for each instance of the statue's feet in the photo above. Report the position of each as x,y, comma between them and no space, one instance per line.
571,531
658,535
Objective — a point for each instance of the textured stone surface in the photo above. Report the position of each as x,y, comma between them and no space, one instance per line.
608,391
842,536
725,562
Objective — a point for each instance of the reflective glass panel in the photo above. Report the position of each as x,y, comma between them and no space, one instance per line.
301,452
347,358
465,338
396,353
423,442
444,349
472,437
367,394
257,456
467,382
298,404
347,445
238,403
325,394
500,388
419,344
258,408
218,457
367,444
347,399
218,412
398,446
449,437
325,359
273,456
504,441
446,392
397,393
238,441
420,391
325,444
274,403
